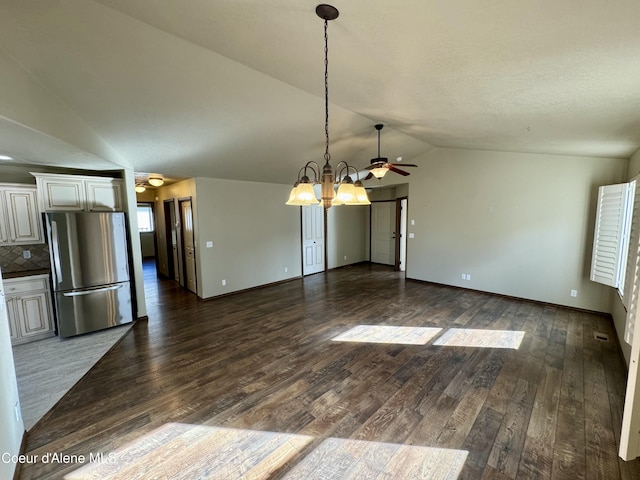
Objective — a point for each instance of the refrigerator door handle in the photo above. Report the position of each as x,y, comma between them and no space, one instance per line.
94,290
56,251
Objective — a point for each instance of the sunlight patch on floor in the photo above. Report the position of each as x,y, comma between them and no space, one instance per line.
465,337
388,334
183,452
338,458
179,451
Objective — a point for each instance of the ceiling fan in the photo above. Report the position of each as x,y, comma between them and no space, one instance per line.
380,165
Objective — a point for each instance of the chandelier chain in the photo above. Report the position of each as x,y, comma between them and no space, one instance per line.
327,156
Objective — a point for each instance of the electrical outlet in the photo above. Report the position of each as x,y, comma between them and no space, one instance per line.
26,254
468,276
345,257
224,283
463,276
574,293
18,412
286,269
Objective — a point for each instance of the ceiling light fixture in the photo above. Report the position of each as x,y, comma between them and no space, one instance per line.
156,181
349,192
139,188
380,165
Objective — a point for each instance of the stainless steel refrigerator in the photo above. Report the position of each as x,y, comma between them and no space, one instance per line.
89,270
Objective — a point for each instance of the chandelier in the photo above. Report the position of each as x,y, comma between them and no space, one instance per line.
349,192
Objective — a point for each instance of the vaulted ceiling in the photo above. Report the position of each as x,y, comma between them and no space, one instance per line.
234,88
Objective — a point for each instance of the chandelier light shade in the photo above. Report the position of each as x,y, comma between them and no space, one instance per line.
303,193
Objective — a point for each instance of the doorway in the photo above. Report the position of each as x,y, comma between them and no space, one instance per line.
171,236
313,242
388,233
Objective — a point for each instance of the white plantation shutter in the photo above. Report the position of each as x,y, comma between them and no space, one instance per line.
631,284
609,238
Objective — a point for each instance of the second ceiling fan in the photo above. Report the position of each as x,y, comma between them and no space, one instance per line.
380,165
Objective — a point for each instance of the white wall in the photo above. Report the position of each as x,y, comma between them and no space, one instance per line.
519,224
255,236
11,430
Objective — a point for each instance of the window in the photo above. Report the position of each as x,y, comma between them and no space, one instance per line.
145,217
611,237
616,245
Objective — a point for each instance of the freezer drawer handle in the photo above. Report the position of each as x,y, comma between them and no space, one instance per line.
89,292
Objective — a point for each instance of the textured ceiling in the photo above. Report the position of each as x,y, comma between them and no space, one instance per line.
234,89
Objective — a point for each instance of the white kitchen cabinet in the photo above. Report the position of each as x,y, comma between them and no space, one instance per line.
78,193
103,194
60,193
29,308
19,218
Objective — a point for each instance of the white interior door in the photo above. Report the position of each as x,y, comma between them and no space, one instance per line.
312,239
383,224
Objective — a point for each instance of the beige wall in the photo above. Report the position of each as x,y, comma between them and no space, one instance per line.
519,224
347,235
255,237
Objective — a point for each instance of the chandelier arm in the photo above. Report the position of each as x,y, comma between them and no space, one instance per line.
355,170
310,165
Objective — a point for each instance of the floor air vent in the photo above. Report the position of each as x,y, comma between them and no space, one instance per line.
603,337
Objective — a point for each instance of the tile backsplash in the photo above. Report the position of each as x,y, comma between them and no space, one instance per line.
12,258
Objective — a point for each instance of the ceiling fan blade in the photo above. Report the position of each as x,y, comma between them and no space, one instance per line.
403,164
369,177
397,170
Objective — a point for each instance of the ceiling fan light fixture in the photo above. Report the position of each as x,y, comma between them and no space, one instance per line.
156,181
379,172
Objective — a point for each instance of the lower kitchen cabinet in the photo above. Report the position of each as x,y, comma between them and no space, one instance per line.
29,308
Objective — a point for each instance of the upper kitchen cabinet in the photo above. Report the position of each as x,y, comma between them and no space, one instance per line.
19,218
103,194
78,193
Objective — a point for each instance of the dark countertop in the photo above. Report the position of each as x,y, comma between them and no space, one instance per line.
26,273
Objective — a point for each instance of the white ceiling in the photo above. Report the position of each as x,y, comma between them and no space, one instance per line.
234,88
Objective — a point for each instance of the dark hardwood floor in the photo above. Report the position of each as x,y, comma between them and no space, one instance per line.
253,384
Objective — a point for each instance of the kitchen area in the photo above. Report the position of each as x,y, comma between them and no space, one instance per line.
66,276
